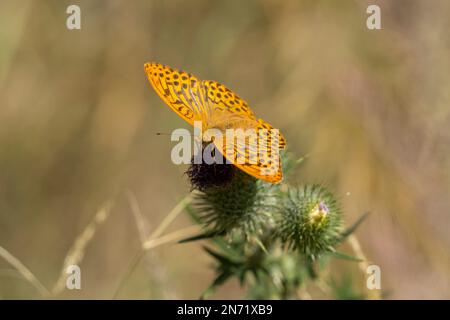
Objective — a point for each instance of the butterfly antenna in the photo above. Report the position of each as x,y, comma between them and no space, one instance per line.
175,134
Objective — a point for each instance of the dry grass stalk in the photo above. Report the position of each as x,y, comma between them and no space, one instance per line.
24,271
76,253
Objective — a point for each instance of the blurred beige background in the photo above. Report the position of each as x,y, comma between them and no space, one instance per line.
78,122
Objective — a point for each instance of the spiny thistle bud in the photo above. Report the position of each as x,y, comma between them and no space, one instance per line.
310,221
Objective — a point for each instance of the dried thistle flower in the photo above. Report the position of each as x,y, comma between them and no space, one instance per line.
209,176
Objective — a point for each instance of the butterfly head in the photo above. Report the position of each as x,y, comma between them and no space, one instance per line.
207,136
212,134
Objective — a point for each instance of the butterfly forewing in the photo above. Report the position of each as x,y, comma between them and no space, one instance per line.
222,98
180,90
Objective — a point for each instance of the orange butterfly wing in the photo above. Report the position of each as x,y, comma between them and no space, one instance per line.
256,154
223,99
259,160
180,90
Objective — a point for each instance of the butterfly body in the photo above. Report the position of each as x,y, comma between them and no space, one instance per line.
219,109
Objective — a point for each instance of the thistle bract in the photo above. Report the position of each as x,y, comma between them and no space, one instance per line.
242,206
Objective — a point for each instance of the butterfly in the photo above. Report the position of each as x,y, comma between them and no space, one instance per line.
217,107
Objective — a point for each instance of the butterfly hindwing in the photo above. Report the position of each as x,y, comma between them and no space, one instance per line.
276,138
256,153
221,100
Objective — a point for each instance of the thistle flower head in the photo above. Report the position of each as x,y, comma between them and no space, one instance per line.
209,176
